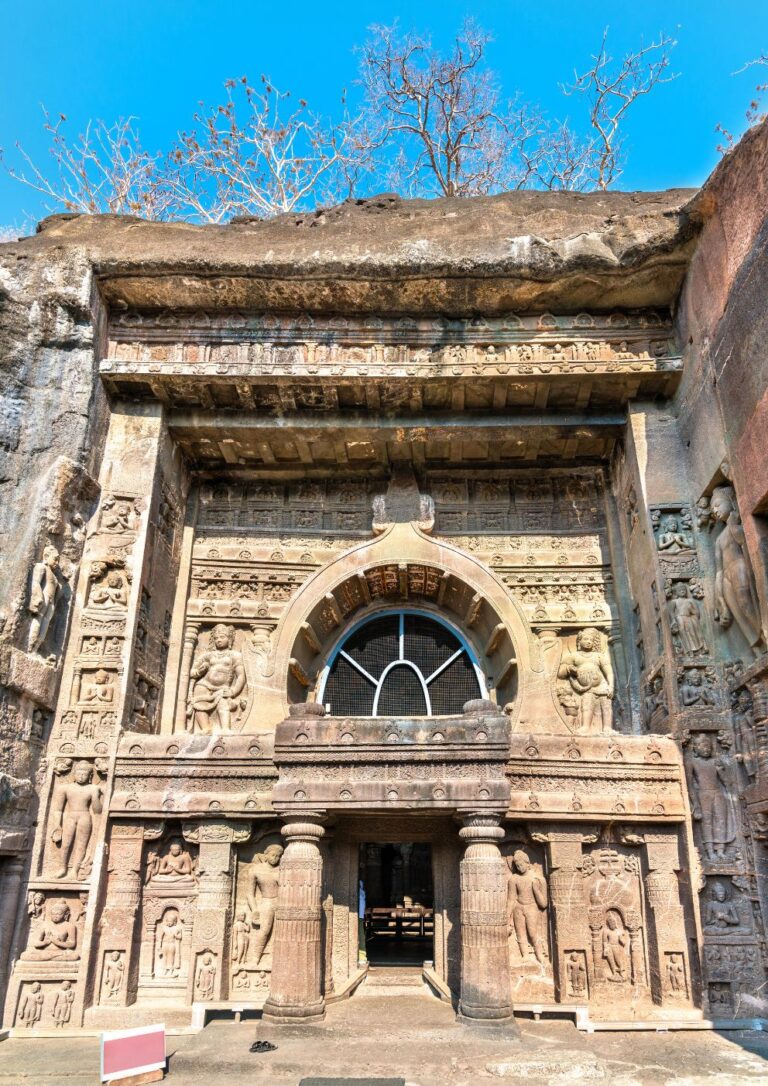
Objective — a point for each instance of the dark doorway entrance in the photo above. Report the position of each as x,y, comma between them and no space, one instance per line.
399,920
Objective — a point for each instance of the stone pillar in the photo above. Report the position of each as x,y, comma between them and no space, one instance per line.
486,994
667,935
116,926
295,993
210,927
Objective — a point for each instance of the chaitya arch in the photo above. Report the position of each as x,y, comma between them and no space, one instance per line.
403,568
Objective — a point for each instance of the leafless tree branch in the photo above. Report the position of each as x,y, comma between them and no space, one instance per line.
612,89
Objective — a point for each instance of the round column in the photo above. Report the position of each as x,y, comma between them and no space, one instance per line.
295,993
486,993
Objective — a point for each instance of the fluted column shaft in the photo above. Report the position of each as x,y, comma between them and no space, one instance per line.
486,994
295,992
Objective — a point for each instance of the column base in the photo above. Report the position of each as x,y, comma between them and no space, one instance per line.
506,1027
297,1015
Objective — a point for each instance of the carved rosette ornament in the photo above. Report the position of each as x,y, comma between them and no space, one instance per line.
486,994
295,992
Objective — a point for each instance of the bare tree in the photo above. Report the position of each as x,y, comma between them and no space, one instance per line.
441,120
256,155
612,89
755,112
431,125
103,170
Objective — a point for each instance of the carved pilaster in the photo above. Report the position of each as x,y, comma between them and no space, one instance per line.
566,895
668,941
117,922
191,634
214,896
295,992
486,994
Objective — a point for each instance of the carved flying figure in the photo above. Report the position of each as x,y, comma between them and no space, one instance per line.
708,786
262,897
589,672
72,810
526,904
735,593
43,594
217,682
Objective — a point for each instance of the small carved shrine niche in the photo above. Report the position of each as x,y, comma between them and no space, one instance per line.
618,950
168,900
252,927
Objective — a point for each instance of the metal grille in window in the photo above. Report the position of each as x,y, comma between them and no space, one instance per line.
401,664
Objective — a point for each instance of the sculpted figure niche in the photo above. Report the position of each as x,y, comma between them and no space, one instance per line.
720,913
55,939
262,896
589,674
708,786
168,945
735,593
526,906
74,804
31,1005
672,539
43,594
217,685
62,1004
175,865
685,620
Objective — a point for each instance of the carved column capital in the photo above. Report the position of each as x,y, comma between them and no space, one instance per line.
482,828
305,827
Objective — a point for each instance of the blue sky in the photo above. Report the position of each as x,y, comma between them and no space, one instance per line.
156,60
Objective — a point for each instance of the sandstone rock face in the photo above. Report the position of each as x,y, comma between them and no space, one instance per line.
387,582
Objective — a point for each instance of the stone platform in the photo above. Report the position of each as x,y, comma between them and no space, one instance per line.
413,1036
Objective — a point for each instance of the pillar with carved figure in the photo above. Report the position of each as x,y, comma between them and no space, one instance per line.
486,993
295,993
117,944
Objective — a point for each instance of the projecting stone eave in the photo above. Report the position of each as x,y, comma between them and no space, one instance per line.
518,251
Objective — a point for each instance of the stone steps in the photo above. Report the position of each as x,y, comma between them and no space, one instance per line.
393,978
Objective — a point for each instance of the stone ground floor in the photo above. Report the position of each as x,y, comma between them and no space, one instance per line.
412,1035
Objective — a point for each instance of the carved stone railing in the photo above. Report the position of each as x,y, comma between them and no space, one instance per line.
386,763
